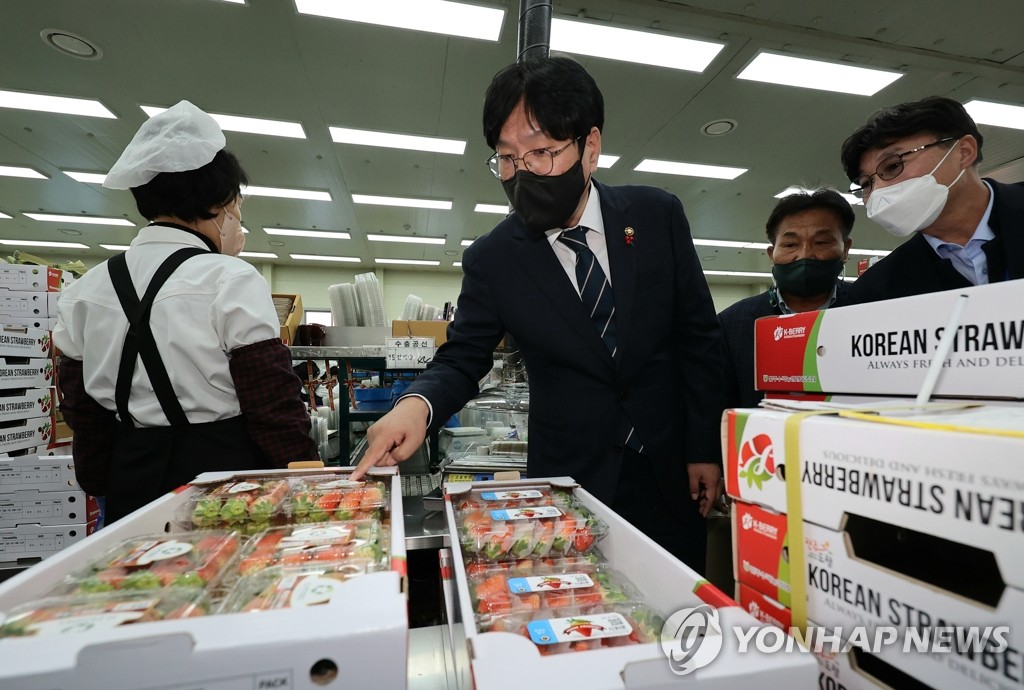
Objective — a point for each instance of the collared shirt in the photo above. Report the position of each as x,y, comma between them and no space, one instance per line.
970,259
593,220
210,306
784,308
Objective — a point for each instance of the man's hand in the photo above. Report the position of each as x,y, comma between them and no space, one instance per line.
395,436
705,485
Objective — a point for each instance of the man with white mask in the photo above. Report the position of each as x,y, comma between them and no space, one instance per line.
916,167
171,363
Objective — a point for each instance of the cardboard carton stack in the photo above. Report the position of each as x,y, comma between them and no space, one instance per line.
42,508
901,518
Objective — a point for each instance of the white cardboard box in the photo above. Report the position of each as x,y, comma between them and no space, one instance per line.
506,660
18,341
962,486
15,372
30,278
884,348
361,637
39,323
28,542
29,304
18,434
55,473
26,507
25,403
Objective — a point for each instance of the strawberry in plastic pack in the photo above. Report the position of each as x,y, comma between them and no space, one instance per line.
326,543
330,497
525,497
515,533
249,505
286,588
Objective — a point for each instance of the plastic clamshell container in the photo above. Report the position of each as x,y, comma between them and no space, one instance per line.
250,505
184,559
288,588
95,612
496,499
586,563
534,531
330,497
319,544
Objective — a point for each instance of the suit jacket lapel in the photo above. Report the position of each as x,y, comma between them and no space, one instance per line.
621,261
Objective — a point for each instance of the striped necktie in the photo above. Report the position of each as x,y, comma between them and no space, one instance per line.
595,290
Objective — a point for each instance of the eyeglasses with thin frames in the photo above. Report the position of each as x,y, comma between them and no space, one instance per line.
889,168
538,161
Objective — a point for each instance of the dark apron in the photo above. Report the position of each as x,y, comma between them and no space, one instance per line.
149,462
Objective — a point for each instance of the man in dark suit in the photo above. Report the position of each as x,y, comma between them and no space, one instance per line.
809,241
625,378
916,167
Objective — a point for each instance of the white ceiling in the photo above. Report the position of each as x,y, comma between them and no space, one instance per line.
263,59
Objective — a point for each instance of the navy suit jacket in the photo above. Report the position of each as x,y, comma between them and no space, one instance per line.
666,379
914,268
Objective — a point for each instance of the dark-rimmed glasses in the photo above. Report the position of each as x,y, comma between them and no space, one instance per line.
538,161
889,168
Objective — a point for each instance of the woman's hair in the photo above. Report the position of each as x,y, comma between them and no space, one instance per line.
191,194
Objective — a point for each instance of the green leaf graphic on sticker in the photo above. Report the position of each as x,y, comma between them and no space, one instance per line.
757,460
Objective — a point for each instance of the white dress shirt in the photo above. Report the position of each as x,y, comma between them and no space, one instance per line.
594,221
211,305
970,260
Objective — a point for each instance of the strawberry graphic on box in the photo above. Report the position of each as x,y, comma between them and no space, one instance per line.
582,626
45,403
48,371
45,431
757,460
44,342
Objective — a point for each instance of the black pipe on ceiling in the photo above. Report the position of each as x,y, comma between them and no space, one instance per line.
534,29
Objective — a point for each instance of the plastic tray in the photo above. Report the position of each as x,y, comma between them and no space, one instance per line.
285,588
323,498
324,544
237,505
535,531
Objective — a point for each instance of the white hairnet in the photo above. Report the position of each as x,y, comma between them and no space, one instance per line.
181,138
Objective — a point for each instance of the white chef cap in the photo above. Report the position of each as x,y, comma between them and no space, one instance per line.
181,138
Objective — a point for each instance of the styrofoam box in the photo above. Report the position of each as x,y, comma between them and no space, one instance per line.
507,660
362,635
38,323
25,403
17,434
56,473
27,506
885,348
843,592
962,486
19,341
31,278
15,372
29,542
27,304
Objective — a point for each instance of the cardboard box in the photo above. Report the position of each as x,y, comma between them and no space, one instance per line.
29,304
27,507
54,473
289,314
438,330
17,372
29,542
25,403
844,591
884,348
18,434
34,322
360,636
30,278
18,341
505,660
963,486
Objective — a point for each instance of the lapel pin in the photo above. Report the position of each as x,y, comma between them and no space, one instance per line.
629,236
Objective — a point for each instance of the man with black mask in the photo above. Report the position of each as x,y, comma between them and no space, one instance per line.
809,240
603,292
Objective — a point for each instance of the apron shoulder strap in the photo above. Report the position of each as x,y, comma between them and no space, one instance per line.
139,340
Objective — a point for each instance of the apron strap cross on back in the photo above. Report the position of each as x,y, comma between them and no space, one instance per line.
139,340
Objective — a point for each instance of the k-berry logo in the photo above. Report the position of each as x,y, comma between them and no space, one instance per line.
747,521
778,333
691,639
757,461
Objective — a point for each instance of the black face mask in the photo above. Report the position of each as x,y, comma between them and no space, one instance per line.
545,202
807,277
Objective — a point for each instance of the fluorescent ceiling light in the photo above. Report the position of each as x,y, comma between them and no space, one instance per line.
870,252
364,137
319,234
492,208
86,220
236,2
606,161
466,243
16,171
321,257
998,114
630,45
406,238
817,74
408,262
731,243
54,104
457,264
4,216
40,243
249,125
789,191
439,204
740,274
434,16
310,194
87,177
245,230
721,172
115,247
258,255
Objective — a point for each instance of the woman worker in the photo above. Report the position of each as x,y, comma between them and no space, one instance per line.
171,362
